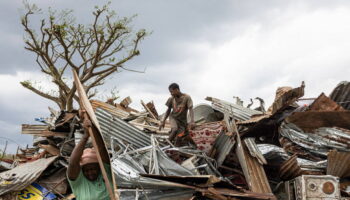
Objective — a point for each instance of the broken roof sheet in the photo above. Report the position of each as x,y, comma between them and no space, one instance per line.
319,142
341,94
286,98
324,103
337,164
234,110
23,175
113,126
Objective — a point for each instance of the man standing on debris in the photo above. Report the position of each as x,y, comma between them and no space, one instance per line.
178,105
84,174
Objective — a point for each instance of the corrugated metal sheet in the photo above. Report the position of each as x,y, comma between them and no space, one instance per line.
113,126
234,110
254,172
254,150
338,164
222,147
111,109
290,169
341,94
23,175
318,142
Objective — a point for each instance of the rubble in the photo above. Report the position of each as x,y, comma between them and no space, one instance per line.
237,152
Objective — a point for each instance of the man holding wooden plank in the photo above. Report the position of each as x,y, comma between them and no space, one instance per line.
84,173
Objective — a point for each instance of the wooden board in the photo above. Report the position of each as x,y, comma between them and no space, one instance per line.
86,105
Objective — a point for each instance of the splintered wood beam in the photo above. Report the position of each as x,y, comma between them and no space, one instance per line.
148,110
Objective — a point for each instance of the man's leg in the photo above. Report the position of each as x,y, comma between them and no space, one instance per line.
172,134
174,129
180,134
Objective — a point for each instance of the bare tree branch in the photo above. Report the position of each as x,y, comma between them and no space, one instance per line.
93,51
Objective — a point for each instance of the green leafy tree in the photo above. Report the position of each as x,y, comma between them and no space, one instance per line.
94,51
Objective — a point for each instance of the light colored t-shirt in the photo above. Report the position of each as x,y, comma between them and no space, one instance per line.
84,189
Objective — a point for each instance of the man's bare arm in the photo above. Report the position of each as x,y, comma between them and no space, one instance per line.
74,166
165,117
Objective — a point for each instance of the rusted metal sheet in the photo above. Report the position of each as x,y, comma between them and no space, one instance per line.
34,129
319,142
254,172
236,111
311,120
290,169
111,109
341,94
338,164
204,135
23,175
324,103
286,98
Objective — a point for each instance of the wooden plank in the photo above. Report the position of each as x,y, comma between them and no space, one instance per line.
86,105
33,129
148,110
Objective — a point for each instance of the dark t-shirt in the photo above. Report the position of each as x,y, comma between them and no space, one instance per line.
184,101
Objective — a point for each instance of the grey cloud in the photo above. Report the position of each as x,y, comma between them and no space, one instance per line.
172,22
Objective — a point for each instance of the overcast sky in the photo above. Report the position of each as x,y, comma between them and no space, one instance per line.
243,48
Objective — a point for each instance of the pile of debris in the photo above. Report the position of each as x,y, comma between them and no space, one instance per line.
296,149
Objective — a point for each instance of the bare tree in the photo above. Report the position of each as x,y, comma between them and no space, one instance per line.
94,51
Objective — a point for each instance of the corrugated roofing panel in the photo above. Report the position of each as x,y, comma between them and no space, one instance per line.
222,147
338,163
23,175
318,142
113,126
341,94
236,111
290,169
